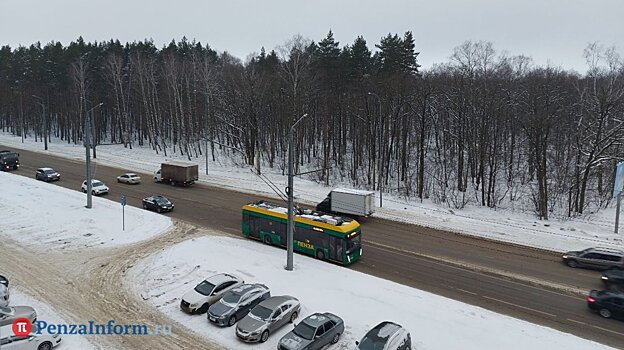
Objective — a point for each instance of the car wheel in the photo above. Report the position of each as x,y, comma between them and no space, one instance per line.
335,338
45,346
572,263
93,193
606,313
144,206
264,336
231,321
84,191
267,239
320,255
203,309
159,210
293,317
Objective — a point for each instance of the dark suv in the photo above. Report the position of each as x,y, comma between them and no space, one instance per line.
608,304
595,258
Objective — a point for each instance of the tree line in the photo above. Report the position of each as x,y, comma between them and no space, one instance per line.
483,128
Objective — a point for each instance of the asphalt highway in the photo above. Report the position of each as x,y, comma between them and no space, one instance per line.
521,282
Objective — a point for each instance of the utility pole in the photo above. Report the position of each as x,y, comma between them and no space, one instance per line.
618,188
88,155
45,122
290,227
379,158
617,212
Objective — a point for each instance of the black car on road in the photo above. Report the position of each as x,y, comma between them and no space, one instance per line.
157,203
47,174
614,278
607,303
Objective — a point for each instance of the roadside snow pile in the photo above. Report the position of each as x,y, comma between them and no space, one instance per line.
361,300
46,313
51,217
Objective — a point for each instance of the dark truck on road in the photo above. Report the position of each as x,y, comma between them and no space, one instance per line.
9,160
177,173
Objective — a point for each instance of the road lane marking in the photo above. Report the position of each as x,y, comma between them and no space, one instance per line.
607,330
466,291
575,321
519,306
494,273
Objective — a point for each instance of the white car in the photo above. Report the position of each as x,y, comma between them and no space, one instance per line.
30,342
129,178
208,292
97,187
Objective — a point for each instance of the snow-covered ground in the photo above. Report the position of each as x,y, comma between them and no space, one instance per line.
35,213
504,225
46,313
361,300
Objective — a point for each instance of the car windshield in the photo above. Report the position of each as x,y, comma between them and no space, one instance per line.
204,288
261,312
304,330
97,184
231,298
133,175
354,243
371,344
49,171
162,200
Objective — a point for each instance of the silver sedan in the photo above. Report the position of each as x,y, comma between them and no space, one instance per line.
129,178
267,317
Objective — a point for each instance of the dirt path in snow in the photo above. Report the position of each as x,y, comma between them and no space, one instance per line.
89,285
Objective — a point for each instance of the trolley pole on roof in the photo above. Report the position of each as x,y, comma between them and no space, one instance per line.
290,227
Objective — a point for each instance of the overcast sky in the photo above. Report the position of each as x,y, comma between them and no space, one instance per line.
552,32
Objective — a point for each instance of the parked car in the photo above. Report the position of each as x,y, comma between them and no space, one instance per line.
313,333
33,341
129,178
595,258
47,174
267,317
157,203
208,292
4,296
613,278
11,313
386,336
237,303
97,187
607,303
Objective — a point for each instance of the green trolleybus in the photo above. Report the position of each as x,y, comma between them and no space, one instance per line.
325,237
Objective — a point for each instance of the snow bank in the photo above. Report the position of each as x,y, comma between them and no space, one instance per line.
28,205
361,300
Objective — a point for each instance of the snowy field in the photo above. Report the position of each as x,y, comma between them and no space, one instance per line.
29,205
505,225
362,301
49,315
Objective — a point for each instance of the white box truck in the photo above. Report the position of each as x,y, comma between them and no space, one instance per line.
348,201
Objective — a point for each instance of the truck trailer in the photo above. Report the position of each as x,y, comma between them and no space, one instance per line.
348,201
177,173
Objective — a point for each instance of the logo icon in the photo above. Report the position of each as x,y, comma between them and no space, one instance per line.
22,327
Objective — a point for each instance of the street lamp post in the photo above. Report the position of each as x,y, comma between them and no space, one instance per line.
45,122
379,158
88,155
290,225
